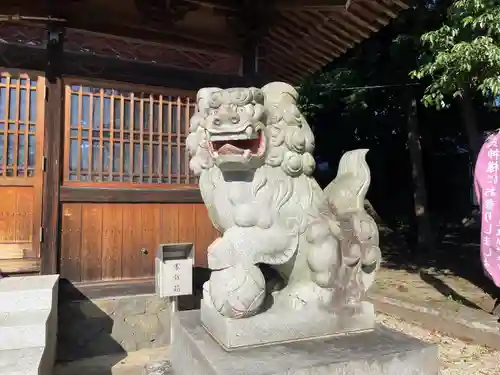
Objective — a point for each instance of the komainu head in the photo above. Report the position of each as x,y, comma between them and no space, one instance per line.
229,129
241,129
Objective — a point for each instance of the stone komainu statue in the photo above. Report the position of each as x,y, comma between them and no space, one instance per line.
252,150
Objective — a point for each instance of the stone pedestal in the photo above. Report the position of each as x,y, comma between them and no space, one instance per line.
278,325
379,352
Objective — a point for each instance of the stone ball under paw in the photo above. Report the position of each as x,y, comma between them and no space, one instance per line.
238,291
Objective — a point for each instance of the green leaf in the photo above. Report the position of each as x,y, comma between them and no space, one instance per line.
464,51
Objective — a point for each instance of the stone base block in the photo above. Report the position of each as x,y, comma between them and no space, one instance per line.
277,326
380,352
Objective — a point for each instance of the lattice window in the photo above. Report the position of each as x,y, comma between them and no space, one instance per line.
18,110
119,136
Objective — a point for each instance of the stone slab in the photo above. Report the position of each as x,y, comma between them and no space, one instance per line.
275,326
19,284
464,322
28,324
380,352
21,361
23,329
28,293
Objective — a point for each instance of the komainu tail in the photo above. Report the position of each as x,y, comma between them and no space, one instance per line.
356,229
346,193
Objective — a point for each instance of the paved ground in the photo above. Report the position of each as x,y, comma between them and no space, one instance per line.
437,289
456,356
450,275
132,364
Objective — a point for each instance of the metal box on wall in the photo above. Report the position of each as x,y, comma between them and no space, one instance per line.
174,269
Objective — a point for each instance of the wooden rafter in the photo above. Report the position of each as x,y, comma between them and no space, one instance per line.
320,35
332,29
343,22
378,8
370,12
310,4
303,34
232,5
324,39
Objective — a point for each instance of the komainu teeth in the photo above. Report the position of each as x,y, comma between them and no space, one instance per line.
247,134
247,153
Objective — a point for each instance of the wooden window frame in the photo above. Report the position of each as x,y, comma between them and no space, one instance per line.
39,128
175,182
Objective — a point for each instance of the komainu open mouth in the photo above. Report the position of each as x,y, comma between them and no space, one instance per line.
229,146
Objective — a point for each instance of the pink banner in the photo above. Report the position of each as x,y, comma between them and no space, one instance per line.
486,187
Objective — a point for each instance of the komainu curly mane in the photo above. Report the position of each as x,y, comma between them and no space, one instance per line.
252,150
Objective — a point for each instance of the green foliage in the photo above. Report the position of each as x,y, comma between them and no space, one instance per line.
463,53
360,101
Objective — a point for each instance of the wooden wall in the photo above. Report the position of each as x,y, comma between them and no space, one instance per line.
119,241
21,135
17,252
124,186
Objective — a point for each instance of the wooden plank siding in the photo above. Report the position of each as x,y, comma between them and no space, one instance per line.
118,241
123,180
126,187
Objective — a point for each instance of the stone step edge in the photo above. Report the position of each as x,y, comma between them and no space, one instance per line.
20,318
27,300
439,320
24,337
36,354
27,283
25,331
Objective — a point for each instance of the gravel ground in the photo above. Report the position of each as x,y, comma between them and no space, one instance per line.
457,356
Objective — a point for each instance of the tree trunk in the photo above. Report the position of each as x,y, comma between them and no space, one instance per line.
424,230
469,119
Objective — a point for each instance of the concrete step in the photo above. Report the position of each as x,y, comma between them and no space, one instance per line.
21,361
28,325
27,293
23,329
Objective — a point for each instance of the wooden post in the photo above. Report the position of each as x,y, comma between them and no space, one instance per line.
251,25
52,152
249,59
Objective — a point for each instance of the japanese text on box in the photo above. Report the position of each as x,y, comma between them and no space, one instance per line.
177,278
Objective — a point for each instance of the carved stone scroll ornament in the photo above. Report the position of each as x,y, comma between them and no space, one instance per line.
252,149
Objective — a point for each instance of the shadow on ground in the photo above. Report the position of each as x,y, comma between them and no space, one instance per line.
84,331
456,253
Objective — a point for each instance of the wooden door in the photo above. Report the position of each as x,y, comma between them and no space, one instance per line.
21,168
